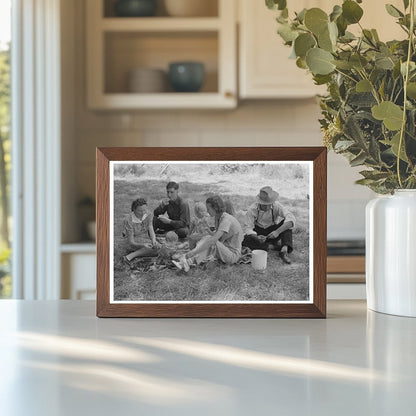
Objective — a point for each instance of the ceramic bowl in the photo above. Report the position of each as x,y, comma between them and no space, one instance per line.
135,8
186,76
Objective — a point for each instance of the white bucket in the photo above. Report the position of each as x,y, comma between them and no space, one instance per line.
259,259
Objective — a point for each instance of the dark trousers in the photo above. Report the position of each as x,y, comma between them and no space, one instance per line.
286,238
158,224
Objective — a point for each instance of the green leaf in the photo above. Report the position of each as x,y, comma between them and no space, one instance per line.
391,114
303,43
342,25
394,143
353,131
281,19
276,4
301,63
374,175
393,11
363,86
344,65
351,11
325,42
365,182
374,150
359,160
347,37
333,32
358,61
287,33
412,67
368,36
336,12
375,35
343,145
411,90
362,99
384,62
301,15
321,79
316,20
319,61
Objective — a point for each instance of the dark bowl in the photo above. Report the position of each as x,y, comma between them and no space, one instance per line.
186,76
135,8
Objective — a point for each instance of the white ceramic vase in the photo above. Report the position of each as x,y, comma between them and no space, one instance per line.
391,253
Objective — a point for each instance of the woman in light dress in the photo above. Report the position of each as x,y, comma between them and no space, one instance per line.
224,244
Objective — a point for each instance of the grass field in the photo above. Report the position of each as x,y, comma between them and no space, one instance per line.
215,281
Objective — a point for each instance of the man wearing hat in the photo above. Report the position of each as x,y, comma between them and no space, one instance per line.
267,222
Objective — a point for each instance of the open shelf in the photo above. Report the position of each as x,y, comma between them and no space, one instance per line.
127,51
116,46
160,24
210,9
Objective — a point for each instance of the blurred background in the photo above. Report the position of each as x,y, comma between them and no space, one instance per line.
146,73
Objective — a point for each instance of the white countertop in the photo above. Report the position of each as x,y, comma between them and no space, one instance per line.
57,358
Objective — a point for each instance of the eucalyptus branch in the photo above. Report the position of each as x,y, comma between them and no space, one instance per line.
373,88
397,95
406,79
392,90
346,75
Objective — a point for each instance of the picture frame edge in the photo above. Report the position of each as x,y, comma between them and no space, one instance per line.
104,155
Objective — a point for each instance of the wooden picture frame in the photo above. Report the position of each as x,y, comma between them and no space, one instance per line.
312,305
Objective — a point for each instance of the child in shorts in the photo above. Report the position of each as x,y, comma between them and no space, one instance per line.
172,246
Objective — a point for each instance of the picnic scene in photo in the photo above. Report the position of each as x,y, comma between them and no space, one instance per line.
180,240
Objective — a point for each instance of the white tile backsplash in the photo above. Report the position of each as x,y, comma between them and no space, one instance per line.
346,219
257,123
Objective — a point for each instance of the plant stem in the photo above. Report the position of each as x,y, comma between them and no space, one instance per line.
373,88
346,75
405,81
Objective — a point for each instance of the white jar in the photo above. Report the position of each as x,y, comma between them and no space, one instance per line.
391,253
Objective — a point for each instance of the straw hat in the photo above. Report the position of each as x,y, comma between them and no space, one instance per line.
267,196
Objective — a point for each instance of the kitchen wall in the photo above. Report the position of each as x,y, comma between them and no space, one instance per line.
253,123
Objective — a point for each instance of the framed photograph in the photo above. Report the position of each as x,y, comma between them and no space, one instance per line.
211,232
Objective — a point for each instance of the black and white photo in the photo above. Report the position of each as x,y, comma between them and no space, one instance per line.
211,231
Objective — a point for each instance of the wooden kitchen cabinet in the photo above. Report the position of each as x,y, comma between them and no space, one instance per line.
265,69
117,45
78,264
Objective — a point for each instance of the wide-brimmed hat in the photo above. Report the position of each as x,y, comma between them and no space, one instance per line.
267,196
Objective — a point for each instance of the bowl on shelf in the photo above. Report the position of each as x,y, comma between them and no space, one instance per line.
147,80
186,76
135,8
191,8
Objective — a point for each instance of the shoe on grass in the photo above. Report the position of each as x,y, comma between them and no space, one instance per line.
177,264
125,260
185,264
285,257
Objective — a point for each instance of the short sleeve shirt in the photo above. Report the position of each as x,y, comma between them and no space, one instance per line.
138,226
233,233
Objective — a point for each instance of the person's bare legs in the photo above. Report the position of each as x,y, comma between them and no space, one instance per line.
141,252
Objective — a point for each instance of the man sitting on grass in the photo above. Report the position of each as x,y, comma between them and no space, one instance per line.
177,210
267,221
